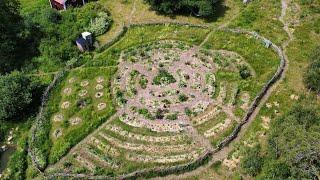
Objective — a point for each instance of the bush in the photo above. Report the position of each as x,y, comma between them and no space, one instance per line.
163,78
293,143
252,162
312,75
244,72
100,24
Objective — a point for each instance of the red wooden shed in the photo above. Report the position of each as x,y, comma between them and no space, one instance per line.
64,4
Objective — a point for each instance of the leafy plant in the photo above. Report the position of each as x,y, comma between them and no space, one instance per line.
163,78
100,24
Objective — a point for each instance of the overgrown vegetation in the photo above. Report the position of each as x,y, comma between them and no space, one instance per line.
17,37
293,149
59,30
202,8
163,78
312,74
17,92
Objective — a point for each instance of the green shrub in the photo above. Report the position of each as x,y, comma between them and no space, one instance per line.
244,72
100,24
202,8
183,98
163,78
252,162
312,74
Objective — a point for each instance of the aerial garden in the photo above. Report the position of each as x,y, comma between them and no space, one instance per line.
156,99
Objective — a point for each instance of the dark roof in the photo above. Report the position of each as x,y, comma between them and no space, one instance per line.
82,42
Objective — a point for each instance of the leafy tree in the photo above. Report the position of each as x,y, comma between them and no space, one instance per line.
18,42
15,95
202,8
11,27
312,74
294,143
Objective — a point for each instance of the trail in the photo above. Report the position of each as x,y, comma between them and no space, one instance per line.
134,8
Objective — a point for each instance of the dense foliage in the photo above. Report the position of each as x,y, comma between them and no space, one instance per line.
15,95
163,78
203,8
100,24
253,161
293,149
61,29
312,75
15,37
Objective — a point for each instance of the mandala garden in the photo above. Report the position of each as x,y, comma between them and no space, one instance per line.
164,103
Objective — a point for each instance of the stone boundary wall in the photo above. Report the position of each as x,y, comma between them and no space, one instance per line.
208,153
41,119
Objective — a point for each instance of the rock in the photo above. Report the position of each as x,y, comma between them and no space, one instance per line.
10,138
3,148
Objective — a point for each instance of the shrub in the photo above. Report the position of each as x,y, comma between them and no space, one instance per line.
312,75
100,24
244,72
164,78
252,162
183,98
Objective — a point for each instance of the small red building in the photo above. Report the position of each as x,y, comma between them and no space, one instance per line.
64,4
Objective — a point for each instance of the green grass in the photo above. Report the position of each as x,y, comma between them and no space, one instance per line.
91,118
143,34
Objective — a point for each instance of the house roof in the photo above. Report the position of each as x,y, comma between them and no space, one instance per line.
60,1
82,41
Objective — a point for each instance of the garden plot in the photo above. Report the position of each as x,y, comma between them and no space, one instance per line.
162,85
161,88
81,103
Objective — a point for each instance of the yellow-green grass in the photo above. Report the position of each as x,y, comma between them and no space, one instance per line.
262,16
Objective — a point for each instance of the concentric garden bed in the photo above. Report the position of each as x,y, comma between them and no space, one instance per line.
164,91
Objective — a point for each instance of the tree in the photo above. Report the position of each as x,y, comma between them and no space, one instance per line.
312,75
15,95
294,143
202,8
11,27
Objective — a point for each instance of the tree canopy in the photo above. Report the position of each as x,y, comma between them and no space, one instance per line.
15,95
293,144
10,32
203,8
